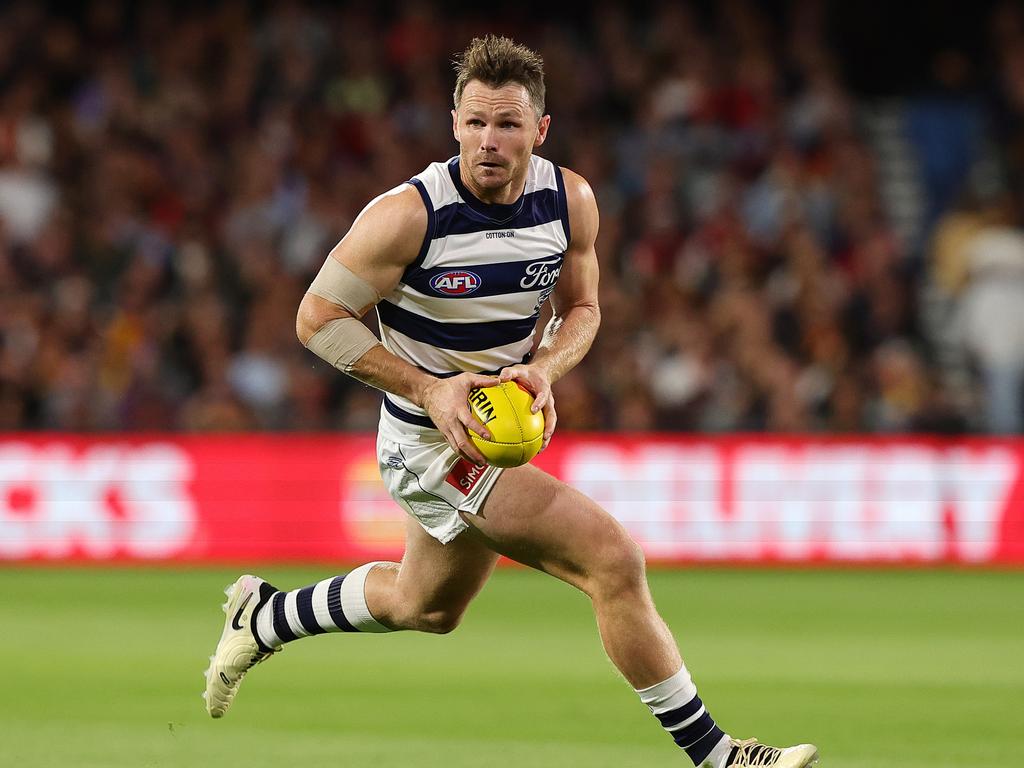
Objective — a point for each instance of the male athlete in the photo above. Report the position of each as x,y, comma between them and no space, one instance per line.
458,263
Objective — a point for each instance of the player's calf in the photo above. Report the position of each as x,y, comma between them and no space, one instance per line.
436,622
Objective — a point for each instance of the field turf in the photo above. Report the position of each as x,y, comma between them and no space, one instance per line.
882,669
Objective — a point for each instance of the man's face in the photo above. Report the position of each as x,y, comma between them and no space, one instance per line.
497,130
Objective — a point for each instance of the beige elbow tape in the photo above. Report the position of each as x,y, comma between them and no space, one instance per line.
340,285
342,342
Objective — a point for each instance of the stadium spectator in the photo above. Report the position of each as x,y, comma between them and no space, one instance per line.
992,316
169,178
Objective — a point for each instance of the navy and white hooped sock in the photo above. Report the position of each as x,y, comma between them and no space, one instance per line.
337,604
681,712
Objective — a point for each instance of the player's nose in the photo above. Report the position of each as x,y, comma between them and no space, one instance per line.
488,140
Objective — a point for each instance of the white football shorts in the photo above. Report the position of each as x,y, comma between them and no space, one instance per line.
428,478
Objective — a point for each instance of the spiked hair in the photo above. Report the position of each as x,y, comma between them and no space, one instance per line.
496,61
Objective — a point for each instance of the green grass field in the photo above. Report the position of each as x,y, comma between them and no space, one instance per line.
882,669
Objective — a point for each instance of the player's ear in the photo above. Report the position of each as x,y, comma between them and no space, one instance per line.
542,130
455,124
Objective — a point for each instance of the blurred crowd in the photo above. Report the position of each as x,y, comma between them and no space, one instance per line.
171,179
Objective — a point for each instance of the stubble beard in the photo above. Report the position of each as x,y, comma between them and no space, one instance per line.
495,180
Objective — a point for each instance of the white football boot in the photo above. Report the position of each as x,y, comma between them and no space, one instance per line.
238,651
749,753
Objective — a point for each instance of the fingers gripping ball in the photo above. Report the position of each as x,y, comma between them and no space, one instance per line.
505,410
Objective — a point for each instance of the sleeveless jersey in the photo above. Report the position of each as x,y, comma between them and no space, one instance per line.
471,299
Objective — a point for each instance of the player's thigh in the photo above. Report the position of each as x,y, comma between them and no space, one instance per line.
540,521
442,577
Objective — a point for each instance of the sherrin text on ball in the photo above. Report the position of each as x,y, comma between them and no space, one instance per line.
517,434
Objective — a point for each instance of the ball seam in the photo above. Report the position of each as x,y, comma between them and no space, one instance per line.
519,423
498,442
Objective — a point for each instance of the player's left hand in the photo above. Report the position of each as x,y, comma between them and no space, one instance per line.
535,379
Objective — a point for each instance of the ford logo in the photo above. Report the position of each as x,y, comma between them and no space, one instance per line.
455,283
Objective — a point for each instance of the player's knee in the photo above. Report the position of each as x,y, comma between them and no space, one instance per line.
620,569
439,622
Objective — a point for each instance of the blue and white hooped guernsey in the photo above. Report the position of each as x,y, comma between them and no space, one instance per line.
471,299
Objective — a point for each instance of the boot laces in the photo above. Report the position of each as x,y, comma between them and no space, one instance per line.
749,753
260,656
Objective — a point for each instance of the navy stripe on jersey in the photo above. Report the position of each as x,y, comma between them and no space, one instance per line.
471,214
495,279
424,421
409,418
431,220
563,204
462,337
531,210
492,211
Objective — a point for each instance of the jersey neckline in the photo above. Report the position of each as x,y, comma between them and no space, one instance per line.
496,212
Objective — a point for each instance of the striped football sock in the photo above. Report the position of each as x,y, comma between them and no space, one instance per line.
332,605
681,712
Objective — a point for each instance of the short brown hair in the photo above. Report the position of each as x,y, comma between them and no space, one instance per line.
496,61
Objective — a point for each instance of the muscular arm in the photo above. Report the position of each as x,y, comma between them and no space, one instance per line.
383,241
576,313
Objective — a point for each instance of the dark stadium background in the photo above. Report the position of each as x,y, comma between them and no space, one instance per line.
804,401
848,130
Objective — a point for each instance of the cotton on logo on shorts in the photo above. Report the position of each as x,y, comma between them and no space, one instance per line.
465,475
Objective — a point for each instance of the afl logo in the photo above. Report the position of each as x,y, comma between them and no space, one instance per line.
456,283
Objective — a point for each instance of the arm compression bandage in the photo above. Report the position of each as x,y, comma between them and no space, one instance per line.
342,341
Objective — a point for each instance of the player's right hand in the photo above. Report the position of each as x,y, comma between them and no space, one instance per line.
446,402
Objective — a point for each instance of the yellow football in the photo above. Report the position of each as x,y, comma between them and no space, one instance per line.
505,410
